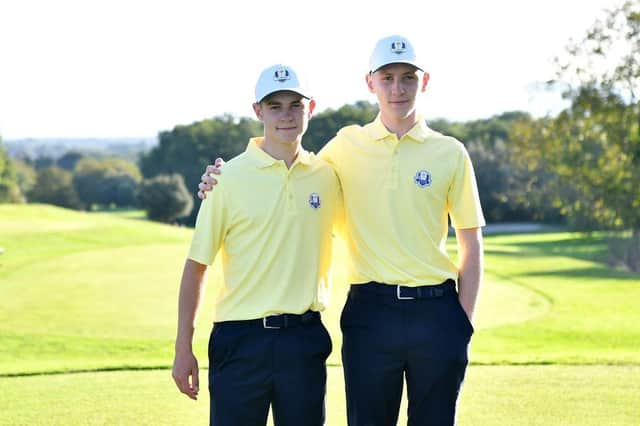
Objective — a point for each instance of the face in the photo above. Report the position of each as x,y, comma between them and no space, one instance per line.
397,87
285,116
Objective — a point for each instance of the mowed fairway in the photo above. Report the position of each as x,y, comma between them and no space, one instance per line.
82,293
541,395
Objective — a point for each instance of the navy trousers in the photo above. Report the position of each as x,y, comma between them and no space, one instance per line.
278,362
391,334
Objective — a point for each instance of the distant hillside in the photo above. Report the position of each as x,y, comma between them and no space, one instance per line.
57,147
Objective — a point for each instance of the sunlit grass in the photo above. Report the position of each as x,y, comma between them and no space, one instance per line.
98,291
492,395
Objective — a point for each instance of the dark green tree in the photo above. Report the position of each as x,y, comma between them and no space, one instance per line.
43,162
325,125
25,176
54,186
108,182
69,160
165,198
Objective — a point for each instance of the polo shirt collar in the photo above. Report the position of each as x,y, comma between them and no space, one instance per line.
262,159
418,133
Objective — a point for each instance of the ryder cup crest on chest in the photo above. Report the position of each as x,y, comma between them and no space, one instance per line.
422,178
314,200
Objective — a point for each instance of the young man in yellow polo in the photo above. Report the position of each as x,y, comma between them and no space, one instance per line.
410,307
268,345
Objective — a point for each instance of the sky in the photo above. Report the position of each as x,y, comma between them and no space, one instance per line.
133,68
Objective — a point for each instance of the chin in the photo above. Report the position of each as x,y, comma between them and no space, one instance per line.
400,114
290,141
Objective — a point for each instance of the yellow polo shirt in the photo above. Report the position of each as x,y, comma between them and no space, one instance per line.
397,198
273,226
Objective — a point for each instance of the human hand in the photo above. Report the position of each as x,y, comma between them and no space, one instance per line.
185,366
208,181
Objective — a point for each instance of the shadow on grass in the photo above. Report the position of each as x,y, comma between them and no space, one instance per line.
582,246
586,273
125,212
598,248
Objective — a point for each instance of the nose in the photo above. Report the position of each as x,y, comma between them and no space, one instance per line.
397,87
287,114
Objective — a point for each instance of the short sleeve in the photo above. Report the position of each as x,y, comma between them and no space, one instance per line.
210,227
463,200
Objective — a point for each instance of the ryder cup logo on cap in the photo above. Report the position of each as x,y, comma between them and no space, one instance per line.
398,46
394,49
281,74
278,78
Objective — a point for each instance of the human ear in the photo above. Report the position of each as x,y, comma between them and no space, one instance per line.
312,106
425,81
257,109
369,80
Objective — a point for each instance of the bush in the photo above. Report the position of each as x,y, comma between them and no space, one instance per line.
165,198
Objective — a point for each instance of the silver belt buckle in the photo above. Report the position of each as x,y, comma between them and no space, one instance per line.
264,324
402,297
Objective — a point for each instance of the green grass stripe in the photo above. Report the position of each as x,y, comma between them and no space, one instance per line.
496,395
94,291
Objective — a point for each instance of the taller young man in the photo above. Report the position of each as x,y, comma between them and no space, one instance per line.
405,317
268,345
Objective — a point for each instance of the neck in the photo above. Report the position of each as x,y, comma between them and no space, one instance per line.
287,152
399,125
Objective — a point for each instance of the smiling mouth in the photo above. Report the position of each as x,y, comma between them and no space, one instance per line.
286,128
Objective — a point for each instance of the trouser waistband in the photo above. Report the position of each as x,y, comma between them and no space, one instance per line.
402,292
277,321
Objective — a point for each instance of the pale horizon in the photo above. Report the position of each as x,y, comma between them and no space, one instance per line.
131,69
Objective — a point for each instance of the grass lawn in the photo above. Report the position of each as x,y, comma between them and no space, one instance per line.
492,395
98,291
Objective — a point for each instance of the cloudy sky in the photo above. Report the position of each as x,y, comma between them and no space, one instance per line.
131,68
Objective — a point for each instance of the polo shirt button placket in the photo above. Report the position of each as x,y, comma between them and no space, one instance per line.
394,167
291,205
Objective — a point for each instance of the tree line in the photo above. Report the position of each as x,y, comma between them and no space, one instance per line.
85,181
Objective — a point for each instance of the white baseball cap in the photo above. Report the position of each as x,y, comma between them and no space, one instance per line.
277,78
394,49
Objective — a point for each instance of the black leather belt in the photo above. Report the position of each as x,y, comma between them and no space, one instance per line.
402,292
277,321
